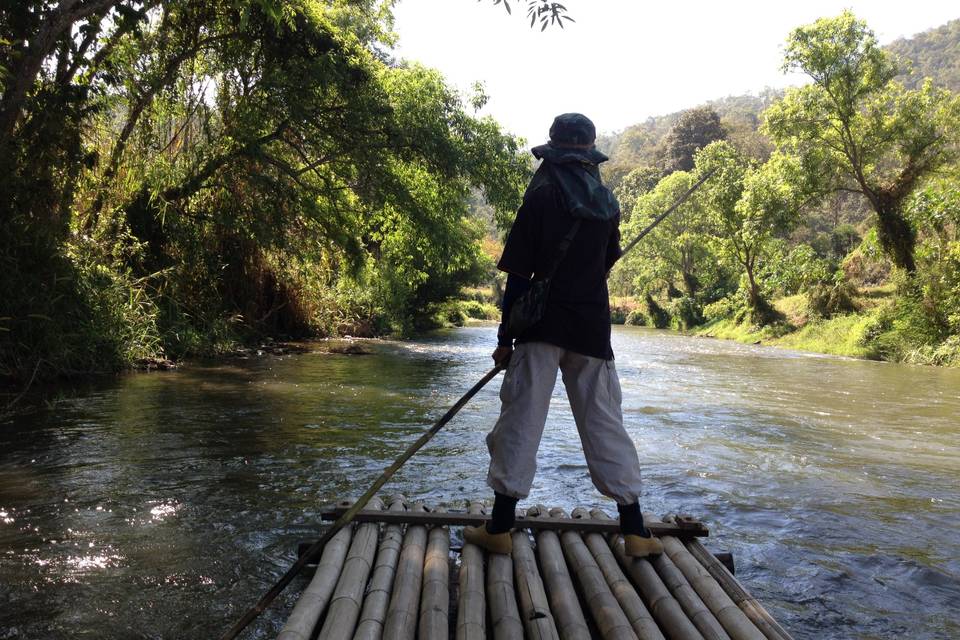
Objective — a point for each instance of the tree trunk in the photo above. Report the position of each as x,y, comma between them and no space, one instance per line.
896,235
690,283
754,293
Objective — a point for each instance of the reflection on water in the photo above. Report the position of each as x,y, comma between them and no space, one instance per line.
162,505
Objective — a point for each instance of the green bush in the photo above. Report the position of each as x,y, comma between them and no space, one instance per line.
66,314
826,300
658,315
685,313
795,271
722,309
479,310
618,315
637,318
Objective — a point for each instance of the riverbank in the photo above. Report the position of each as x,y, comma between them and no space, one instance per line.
869,333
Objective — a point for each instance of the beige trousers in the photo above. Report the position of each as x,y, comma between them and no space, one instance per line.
594,393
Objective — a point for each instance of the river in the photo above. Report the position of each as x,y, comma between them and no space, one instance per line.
161,505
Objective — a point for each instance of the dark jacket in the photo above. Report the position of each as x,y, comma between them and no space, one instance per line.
566,186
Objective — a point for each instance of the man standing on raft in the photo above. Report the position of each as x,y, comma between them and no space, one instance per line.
567,232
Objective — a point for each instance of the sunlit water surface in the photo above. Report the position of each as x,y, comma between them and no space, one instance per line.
161,505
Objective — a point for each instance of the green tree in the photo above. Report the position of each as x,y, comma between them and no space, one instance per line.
853,128
676,252
226,165
748,204
635,184
695,129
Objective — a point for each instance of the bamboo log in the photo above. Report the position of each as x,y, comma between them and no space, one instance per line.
501,598
313,601
750,606
460,519
665,609
736,623
531,597
370,625
471,604
640,619
435,601
686,595
610,619
348,597
401,622
571,625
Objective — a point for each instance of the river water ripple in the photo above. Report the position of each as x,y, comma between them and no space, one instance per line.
162,505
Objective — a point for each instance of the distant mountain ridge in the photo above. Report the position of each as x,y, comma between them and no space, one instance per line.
934,53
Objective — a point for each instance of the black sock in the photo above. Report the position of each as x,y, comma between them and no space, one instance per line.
631,520
504,513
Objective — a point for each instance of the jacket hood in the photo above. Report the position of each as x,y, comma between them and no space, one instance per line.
576,173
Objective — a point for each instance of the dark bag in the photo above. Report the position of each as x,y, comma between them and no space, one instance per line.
528,309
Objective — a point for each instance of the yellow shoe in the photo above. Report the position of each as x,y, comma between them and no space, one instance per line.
639,547
492,542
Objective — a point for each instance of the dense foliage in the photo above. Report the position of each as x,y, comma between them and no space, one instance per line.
182,174
841,191
185,175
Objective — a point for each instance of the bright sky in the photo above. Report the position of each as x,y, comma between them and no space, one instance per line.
625,60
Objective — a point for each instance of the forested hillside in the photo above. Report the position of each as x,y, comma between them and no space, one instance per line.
933,54
832,219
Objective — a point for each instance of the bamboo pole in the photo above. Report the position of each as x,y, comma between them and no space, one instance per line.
531,597
348,597
462,519
736,623
640,619
314,599
665,609
501,598
435,601
471,604
571,625
401,621
692,604
610,619
686,595
370,625
750,606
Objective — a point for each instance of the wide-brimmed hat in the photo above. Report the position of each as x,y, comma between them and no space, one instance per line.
572,130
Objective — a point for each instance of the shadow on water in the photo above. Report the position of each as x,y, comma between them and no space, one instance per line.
161,505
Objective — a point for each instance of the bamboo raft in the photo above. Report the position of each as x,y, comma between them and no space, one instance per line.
396,574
